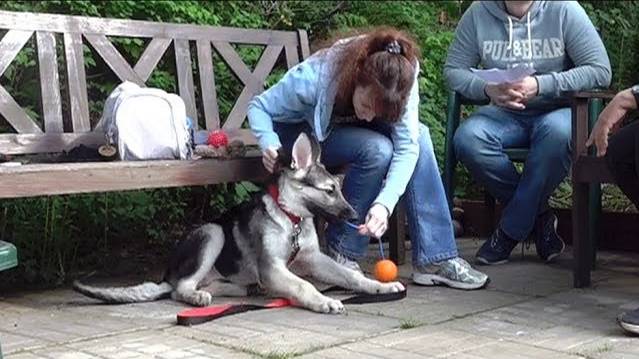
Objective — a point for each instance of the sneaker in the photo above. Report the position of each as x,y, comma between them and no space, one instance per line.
345,261
496,249
629,321
547,241
455,273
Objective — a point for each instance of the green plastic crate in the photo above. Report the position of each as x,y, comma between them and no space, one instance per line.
8,256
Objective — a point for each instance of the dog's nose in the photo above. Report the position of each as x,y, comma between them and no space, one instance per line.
350,214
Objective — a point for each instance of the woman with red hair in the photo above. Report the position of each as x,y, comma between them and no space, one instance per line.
360,99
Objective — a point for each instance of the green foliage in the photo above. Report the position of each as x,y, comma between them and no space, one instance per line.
59,235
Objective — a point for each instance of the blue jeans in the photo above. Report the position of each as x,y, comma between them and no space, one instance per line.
367,151
479,144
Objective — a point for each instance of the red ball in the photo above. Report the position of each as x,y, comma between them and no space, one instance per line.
218,138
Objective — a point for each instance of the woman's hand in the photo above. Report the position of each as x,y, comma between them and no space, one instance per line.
269,158
376,221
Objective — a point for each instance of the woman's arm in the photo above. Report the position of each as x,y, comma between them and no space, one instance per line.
287,99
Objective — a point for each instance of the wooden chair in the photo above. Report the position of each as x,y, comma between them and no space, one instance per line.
586,107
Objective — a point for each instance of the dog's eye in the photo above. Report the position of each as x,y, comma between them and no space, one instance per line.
330,190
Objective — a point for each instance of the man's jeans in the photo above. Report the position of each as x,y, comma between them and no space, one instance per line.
368,150
479,144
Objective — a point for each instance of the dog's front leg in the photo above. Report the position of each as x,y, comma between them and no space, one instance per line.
276,278
325,269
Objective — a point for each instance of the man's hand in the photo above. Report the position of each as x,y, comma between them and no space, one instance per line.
376,221
513,95
269,158
616,110
505,95
528,87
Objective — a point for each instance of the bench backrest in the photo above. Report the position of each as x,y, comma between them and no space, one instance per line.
64,131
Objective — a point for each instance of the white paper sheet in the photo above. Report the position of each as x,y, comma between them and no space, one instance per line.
499,76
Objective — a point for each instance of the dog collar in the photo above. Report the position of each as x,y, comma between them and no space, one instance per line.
274,191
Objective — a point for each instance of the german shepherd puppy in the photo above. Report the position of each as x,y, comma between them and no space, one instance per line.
270,242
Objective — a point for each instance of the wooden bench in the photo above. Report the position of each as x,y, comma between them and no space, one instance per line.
65,127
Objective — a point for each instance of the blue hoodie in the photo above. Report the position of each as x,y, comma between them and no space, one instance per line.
306,93
567,53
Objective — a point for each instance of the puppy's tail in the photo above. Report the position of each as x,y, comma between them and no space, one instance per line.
145,292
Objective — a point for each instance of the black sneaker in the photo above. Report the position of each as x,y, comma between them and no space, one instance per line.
629,321
547,241
496,249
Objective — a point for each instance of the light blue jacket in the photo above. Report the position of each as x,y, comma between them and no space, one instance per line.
306,93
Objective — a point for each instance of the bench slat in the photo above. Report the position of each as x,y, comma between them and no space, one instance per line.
113,58
185,76
76,74
233,60
292,58
16,144
151,57
303,41
15,115
49,82
137,28
253,87
11,44
207,85
44,179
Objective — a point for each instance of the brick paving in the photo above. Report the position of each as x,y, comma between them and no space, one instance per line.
530,310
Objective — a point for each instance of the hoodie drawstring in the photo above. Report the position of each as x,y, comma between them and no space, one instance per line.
529,37
510,34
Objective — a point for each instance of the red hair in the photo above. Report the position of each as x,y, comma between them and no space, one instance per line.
374,59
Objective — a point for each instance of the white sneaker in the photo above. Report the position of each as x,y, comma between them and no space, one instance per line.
345,261
454,272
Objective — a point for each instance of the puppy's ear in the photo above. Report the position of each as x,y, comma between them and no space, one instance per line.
316,150
302,153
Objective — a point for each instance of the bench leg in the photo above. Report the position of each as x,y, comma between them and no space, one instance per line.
581,235
594,210
397,235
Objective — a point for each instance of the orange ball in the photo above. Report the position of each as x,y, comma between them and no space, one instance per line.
385,270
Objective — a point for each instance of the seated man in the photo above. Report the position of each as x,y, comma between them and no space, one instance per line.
558,40
622,156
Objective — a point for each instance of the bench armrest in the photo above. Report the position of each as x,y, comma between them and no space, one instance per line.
586,107
604,94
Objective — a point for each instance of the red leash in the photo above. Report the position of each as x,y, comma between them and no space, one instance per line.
195,316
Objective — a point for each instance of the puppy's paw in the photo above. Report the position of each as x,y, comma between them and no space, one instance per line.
329,305
391,287
201,298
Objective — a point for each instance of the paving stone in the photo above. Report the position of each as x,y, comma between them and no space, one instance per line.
12,342
23,356
261,338
431,341
530,310
509,350
62,352
368,351
428,305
